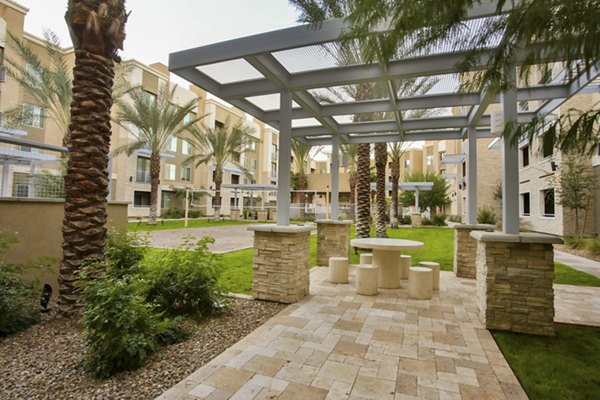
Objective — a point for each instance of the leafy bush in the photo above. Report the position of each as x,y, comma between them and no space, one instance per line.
439,220
426,222
193,214
172,213
184,282
19,298
593,246
455,218
406,220
121,328
486,215
125,252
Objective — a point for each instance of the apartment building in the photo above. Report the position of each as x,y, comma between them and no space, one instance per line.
130,174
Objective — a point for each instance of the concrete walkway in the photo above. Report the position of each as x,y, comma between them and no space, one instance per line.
335,344
227,238
577,262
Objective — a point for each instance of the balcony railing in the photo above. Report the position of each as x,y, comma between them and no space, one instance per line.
142,176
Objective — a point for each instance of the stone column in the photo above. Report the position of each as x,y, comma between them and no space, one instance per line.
333,240
234,215
515,274
280,262
465,249
416,220
262,215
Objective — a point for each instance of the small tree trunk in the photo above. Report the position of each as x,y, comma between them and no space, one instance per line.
380,160
154,182
363,192
217,204
395,219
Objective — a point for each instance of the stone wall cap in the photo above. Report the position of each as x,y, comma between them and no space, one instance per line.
333,222
483,227
527,237
280,228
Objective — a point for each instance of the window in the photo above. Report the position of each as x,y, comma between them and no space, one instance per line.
186,147
186,174
548,202
274,151
34,74
547,146
170,172
189,117
253,164
406,164
429,160
150,96
172,145
33,115
142,170
525,201
252,145
141,199
273,169
165,199
524,156
464,169
219,124
235,179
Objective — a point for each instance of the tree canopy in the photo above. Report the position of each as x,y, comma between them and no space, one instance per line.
435,198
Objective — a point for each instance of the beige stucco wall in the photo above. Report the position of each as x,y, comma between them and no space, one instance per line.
38,225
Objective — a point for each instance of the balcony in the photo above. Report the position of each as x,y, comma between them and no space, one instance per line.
142,176
274,155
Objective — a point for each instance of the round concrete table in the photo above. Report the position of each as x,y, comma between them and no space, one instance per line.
386,256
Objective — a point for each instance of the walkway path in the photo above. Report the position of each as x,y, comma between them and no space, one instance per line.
577,262
227,238
335,344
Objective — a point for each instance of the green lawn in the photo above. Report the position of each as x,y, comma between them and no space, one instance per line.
566,275
563,367
178,224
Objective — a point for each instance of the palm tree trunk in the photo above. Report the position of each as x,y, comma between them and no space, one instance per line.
154,182
352,183
380,160
395,179
86,181
217,203
363,192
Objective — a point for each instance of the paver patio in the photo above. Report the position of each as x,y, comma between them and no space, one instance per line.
335,344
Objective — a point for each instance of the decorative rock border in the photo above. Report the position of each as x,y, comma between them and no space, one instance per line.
465,249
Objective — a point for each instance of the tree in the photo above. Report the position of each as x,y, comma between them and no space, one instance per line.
433,199
396,152
566,30
301,155
97,31
350,152
50,84
154,122
575,187
220,146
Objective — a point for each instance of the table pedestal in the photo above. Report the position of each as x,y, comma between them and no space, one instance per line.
388,262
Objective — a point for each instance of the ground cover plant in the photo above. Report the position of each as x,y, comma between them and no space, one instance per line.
141,226
561,367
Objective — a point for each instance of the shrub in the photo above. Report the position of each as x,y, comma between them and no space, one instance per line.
125,252
406,220
486,215
593,246
426,222
19,299
455,218
439,220
184,282
172,213
193,214
121,328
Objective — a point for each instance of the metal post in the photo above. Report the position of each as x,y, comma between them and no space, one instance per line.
284,160
472,176
417,201
335,176
187,206
5,176
510,161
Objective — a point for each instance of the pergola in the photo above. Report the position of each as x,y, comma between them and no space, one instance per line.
279,77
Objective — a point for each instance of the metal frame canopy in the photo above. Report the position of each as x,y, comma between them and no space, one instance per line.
281,78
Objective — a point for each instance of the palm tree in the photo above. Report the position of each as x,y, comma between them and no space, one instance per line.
380,161
97,32
220,146
396,151
154,122
50,84
351,153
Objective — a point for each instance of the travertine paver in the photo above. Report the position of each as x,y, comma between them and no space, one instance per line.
335,344
577,305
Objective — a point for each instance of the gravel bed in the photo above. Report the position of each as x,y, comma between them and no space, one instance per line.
42,361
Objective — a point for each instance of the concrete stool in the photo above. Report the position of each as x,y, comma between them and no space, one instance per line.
338,269
420,281
366,280
435,267
405,262
366,259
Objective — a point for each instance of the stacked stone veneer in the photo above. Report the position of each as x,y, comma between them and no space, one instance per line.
280,263
514,282
416,220
465,249
333,240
